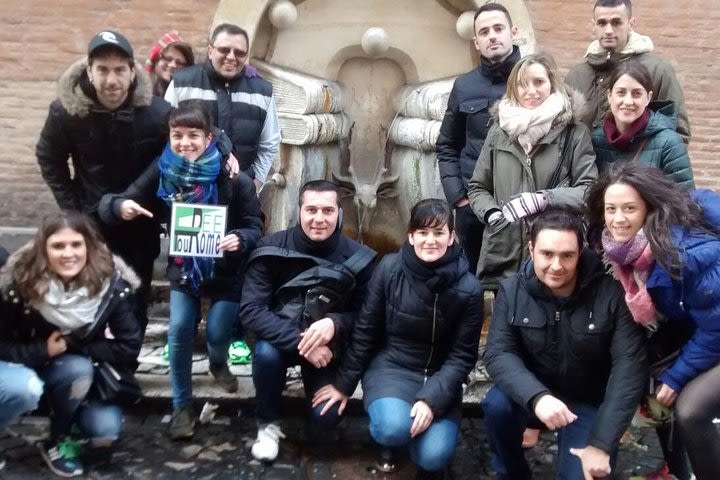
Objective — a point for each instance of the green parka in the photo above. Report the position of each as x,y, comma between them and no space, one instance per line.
504,170
662,147
589,78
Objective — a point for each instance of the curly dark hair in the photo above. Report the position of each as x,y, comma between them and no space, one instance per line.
667,205
31,273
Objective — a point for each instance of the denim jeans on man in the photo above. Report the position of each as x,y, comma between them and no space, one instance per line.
505,421
269,371
184,315
432,450
20,391
68,378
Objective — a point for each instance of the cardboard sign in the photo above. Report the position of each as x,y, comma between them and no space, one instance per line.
196,230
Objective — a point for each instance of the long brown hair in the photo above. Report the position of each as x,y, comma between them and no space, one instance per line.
667,205
31,273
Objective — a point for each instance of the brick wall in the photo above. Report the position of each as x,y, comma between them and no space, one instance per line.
39,39
684,35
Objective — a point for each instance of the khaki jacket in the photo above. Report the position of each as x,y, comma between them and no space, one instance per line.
504,170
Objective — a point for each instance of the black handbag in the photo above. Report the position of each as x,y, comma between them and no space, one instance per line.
116,386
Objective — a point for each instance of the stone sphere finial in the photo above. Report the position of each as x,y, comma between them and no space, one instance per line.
375,41
464,26
283,14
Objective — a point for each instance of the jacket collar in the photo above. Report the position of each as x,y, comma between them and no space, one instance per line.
77,102
635,45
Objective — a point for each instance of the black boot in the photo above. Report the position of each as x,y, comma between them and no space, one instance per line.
386,461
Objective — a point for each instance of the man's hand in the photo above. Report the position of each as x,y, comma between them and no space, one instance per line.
666,396
230,243
56,344
553,413
317,334
331,395
320,356
232,166
130,209
462,202
423,416
595,462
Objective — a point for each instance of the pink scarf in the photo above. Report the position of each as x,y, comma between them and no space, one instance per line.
631,262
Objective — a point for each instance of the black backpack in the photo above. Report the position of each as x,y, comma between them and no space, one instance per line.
313,293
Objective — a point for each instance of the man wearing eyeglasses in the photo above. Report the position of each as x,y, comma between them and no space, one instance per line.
240,101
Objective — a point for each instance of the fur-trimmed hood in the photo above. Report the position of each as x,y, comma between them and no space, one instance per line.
76,102
124,270
575,109
635,45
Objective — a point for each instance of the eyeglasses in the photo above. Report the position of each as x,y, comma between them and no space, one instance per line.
168,59
225,51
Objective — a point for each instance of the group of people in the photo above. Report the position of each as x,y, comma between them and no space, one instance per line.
549,184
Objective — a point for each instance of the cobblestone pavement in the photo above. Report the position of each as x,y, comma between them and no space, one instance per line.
220,450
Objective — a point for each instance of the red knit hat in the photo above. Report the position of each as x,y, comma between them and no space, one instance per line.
171,38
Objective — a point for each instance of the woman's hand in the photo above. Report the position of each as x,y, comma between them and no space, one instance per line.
232,166
666,396
319,333
56,344
320,356
595,462
331,395
230,243
130,209
423,416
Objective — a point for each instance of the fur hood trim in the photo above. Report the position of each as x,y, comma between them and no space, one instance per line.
74,100
575,109
636,44
123,269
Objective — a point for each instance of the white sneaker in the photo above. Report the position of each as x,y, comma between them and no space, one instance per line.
265,448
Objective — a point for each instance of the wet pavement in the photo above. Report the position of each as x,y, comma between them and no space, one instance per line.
220,449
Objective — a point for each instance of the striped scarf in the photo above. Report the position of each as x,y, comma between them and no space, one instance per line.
185,181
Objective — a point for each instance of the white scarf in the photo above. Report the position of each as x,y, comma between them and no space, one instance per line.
526,125
71,309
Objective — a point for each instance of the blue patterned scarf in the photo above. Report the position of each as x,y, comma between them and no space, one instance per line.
185,181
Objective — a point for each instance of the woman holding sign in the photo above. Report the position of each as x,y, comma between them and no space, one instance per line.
189,172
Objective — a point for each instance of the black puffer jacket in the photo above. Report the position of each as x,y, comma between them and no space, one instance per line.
265,275
109,150
588,349
466,123
244,219
415,344
24,332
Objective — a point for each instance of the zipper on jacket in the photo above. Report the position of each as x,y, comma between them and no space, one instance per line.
432,339
557,317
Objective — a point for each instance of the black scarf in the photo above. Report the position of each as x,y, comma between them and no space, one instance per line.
437,275
323,249
500,71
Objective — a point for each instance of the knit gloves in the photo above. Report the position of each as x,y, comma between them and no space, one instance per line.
523,205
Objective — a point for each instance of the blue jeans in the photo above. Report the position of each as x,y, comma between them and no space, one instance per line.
67,382
20,391
184,314
506,420
433,450
269,371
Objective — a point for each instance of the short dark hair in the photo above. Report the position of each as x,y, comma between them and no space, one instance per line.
230,29
492,7
318,186
634,69
614,3
564,219
430,213
191,114
107,50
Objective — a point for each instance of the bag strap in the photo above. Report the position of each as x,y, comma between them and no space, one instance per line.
273,251
640,149
360,259
555,179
